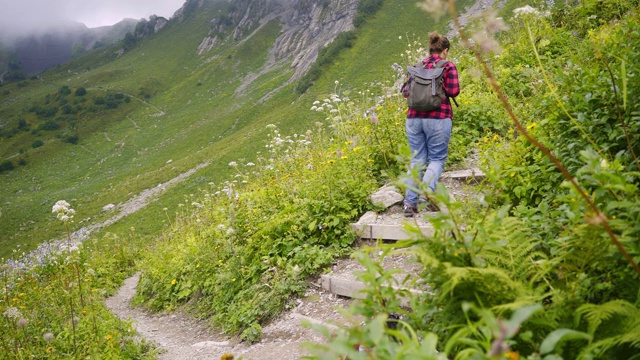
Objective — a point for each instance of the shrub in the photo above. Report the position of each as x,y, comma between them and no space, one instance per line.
37,144
6,165
81,91
64,90
49,125
22,125
71,139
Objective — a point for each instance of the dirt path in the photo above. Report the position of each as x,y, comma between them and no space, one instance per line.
181,337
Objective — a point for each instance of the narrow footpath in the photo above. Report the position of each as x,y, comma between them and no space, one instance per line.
179,336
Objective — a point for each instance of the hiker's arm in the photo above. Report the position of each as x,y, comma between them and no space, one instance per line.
404,91
451,83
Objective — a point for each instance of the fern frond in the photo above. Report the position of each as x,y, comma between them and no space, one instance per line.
600,348
623,332
490,285
597,314
511,247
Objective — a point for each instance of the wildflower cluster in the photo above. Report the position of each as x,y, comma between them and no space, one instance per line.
63,211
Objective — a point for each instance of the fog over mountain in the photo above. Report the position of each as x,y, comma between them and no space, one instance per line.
27,17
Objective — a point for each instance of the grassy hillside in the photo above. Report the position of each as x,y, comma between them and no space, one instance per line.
543,263
123,151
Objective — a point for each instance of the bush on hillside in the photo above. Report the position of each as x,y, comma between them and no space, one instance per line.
64,90
49,125
6,165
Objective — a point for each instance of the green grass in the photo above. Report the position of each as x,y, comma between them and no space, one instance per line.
124,151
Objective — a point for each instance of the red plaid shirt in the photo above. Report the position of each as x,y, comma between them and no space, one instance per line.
451,88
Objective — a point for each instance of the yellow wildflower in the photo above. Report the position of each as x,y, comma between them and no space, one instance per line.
344,157
532,125
357,148
512,355
173,282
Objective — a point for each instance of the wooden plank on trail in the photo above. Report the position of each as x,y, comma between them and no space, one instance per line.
471,175
343,287
353,288
385,232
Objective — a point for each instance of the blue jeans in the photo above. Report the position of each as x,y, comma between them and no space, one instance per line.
429,143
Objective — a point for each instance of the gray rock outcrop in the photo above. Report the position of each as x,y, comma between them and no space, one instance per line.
307,26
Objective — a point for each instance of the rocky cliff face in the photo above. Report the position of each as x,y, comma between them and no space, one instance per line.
307,25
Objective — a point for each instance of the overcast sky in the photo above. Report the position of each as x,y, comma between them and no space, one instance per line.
21,15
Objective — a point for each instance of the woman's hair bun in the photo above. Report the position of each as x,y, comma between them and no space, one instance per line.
434,37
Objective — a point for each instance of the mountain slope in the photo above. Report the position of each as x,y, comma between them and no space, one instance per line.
184,109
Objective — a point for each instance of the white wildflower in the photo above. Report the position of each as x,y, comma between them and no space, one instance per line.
12,313
250,164
604,164
63,211
527,9
233,163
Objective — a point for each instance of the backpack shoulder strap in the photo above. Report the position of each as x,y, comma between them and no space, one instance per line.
440,63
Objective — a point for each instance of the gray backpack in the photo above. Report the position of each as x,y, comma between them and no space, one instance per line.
424,87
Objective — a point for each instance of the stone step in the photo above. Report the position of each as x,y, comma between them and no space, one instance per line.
387,231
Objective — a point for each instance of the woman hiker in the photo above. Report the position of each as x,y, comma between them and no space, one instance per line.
429,132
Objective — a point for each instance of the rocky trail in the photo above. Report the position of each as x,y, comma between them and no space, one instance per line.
179,336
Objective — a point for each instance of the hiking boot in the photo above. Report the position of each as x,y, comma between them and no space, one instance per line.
424,203
410,210
431,207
